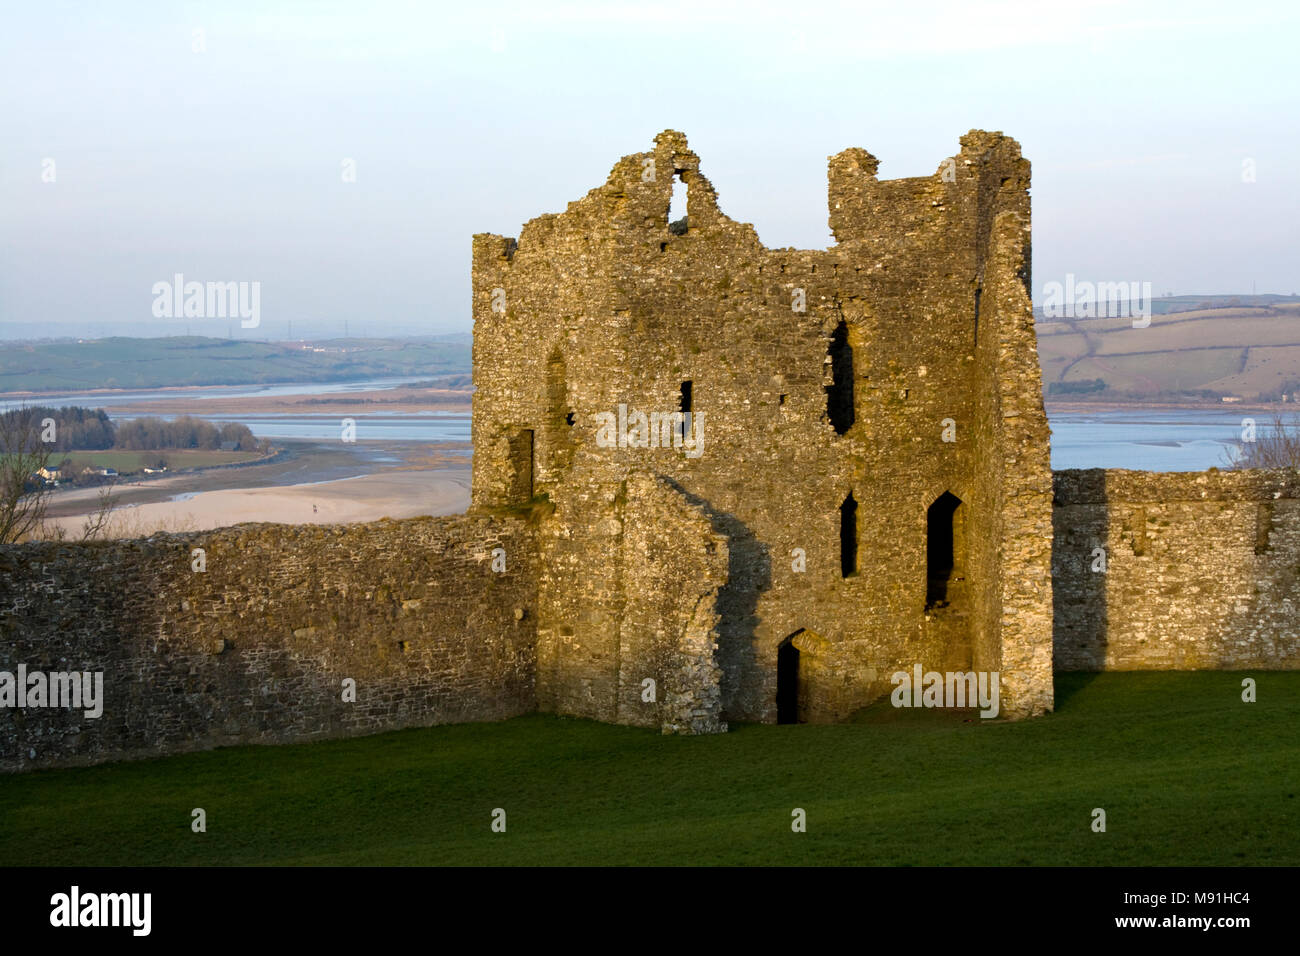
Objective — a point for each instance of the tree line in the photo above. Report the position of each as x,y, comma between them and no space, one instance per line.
145,434
73,428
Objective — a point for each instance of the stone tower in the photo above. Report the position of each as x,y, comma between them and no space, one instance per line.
766,479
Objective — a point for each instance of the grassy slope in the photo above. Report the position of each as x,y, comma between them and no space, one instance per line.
193,360
1238,351
1187,773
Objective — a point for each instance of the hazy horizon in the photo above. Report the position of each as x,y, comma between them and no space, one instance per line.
321,332
211,141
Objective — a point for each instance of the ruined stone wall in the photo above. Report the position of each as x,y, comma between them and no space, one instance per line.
255,648
673,564
629,598
608,304
1201,570
1012,544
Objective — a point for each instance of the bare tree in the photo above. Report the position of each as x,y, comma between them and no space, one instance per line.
24,495
1273,446
26,450
96,522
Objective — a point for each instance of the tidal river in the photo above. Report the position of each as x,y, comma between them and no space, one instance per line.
1155,439
1158,439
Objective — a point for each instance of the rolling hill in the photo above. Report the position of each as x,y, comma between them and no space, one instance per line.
194,360
1250,351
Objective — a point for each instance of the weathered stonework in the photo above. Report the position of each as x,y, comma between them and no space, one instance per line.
609,304
256,648
1201,570
872,491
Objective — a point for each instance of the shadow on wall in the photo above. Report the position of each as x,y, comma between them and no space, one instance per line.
1175,571
749,573
1079,537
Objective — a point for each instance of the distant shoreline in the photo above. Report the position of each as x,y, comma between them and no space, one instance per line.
1074,407
402,398
186,400
299,462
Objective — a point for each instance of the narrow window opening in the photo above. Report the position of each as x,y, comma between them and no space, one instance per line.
569,419
849,537
944,548
677,206
781,400
686,405
839,390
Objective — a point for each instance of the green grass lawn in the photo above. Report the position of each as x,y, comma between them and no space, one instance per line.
178,459
1186,772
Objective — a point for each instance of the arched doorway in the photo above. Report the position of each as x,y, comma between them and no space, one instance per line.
945,550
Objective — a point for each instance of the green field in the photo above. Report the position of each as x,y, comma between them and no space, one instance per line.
1187,774
178,459
1247,352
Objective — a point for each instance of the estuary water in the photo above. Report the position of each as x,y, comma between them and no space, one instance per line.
96,399
1157,439
1154,439
1140,439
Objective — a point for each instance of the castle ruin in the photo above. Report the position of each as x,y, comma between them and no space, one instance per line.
712,482
871,487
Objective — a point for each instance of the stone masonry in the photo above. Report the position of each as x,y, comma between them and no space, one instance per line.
713,482
859,408
256,648
1201,570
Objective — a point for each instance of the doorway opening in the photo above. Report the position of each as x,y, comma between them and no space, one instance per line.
787,682
944,549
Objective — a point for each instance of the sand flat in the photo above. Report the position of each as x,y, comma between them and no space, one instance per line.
396,494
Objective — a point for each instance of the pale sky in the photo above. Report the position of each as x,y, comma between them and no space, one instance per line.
218,154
